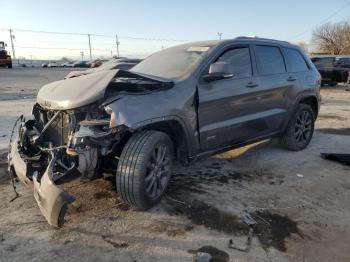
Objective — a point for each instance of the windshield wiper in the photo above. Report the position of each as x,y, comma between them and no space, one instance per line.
139,76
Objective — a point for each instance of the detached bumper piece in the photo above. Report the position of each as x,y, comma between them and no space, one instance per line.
52,200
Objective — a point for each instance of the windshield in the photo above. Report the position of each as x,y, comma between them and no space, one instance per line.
174,62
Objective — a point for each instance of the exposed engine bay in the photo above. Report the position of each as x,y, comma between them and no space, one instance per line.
59,146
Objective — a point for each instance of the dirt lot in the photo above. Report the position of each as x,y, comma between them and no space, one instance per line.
301,203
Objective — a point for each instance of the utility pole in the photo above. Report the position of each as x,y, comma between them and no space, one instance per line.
90,46
220,35
117,42
82,55
12,37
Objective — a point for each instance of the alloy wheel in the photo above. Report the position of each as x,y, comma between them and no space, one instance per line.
303,127
158,172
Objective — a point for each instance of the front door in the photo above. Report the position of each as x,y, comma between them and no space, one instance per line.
227,105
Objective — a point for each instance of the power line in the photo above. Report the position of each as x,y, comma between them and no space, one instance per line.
321,22
97,35
62,48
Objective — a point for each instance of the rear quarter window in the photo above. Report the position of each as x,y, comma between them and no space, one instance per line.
295,61
269,60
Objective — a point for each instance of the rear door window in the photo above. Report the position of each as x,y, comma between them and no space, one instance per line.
295,61
239,58
269,60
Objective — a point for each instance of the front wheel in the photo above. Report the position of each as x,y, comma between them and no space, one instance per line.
300,129
144,168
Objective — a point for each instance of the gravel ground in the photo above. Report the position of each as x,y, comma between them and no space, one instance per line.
299,201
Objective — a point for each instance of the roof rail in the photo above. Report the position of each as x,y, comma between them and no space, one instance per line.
259,38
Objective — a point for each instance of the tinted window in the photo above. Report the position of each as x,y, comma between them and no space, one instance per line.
343,62
295,61
269,60
323,61
239,58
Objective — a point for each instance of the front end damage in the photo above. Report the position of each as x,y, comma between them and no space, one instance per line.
58,146
74,134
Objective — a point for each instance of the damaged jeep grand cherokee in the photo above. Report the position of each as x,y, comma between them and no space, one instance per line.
181,103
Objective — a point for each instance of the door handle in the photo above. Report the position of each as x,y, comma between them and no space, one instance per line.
251,84
291,79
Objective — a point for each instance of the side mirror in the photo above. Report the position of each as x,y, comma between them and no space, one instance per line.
218,71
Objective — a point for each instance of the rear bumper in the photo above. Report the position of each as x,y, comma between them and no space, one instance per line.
52,200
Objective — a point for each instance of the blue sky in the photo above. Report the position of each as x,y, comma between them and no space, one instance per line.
180,19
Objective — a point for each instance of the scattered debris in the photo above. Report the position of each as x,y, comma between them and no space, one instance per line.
217,255
246,248
247,218
203,257
300,175
342,158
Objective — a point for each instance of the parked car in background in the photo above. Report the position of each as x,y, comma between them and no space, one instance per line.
98,62
81,64
44,64
53,64
123,63
333,69
182,103
68,64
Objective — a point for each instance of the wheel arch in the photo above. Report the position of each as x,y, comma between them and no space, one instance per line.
177,133
312,101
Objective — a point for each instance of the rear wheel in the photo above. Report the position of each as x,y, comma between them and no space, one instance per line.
333,83
10,65
144,168
300,129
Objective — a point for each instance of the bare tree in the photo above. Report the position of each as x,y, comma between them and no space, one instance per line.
332,38
304,46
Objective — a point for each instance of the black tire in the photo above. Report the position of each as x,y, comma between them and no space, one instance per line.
298,134
138,168
10,65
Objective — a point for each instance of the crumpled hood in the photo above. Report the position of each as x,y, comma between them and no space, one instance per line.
75,92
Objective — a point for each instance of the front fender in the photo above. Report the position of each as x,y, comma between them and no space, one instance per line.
137,111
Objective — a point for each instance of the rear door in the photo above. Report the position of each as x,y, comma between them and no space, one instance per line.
275,84
298,67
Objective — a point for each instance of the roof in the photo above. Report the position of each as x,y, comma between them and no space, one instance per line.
240,38
327,56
